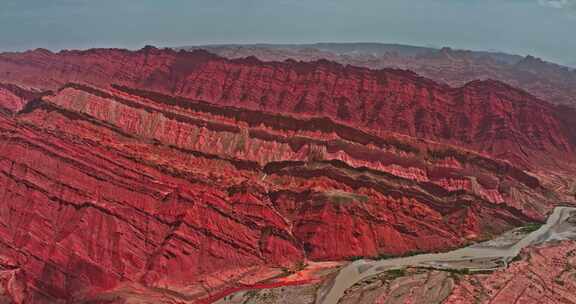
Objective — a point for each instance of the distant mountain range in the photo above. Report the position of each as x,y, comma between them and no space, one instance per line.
546,80
360,48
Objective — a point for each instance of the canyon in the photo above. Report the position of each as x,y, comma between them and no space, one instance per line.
502,270
163,176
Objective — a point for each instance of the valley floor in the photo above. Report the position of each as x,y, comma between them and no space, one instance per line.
517,267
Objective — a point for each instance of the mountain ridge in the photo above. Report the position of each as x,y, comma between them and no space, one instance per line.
185,176
546,80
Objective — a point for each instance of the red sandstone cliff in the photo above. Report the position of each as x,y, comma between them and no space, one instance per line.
264,168
549,81
486,116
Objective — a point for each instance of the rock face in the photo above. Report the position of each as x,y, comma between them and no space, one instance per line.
14,98
116,186
546,80
486,116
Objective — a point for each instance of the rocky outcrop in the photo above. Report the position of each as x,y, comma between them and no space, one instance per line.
485,116
14,98
546,80
185,176
106,187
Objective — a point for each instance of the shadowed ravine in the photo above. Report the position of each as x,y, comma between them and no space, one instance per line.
488,255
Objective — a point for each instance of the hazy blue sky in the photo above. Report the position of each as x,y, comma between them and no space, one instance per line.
541,27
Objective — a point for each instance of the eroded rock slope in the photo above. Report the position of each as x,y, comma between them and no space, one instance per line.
194,175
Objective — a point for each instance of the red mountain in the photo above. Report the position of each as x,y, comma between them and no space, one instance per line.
185,176
546,80
486,116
